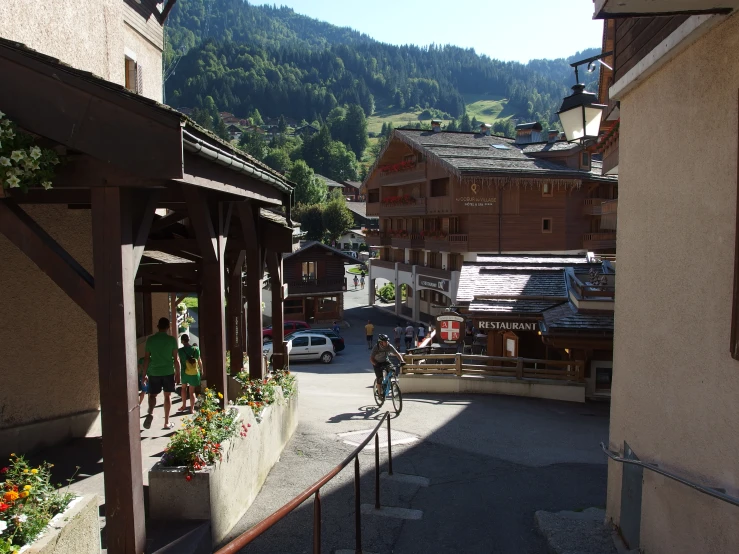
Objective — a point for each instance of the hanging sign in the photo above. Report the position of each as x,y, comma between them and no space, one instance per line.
442,285
449,327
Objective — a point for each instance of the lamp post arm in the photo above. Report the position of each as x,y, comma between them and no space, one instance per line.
588,61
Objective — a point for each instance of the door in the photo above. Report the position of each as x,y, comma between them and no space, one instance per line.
310,309
510,345
301,348
318,345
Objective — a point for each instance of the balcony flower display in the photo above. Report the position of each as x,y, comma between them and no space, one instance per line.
434,234
398,234
405,200
400,166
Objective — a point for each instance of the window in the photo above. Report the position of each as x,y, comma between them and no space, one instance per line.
300,341
293,307
454,225
133,73
439,187
546,189
318,341
546,225
409,158
328,304
586,160
309,270
373,196
501,146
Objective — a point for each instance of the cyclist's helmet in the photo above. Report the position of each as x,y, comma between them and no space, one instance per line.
383,337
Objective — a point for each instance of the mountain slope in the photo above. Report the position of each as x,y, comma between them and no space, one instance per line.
272,59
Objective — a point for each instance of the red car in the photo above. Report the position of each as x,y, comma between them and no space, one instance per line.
290,327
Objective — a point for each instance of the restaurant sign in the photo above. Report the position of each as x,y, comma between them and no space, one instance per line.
442,285
449,325
508,325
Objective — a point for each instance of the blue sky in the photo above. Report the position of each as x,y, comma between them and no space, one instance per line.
505,29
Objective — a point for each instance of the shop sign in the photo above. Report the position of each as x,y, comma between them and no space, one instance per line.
508,325
478,195
449,326
442,285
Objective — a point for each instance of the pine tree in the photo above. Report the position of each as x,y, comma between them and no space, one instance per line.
282,125
465,124
256,117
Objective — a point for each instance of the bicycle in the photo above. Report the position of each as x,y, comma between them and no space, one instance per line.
390,388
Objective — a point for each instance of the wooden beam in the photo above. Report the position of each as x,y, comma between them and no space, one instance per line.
254,274
168,288
53,196
166,10
235,310
118,373
144,205
48,255
274,266
205,232
167,221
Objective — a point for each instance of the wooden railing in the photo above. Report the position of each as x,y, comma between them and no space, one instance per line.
415,174
494,366
450,243
610,206
316,285
598,241
594,206
586,291
387,264
417,208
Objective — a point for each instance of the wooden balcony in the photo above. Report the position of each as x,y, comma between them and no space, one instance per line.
609,207
594,206
413,240
376,238
414,175
587,291
417,208
305,286
373,208
450,243
439,205
599,241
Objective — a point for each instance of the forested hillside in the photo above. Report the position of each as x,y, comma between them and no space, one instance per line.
250,57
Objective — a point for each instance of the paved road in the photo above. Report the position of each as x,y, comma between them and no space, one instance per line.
491,461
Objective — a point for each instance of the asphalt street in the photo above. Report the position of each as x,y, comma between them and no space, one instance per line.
490,462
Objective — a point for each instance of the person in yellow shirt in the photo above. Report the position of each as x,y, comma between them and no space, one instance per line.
369,331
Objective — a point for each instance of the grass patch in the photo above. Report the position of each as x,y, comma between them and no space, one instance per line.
487,107
356,271
397,116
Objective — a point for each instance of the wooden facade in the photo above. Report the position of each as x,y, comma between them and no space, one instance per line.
316,282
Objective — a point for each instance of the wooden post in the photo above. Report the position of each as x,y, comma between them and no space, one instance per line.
248,214
116,340
235,310
519,368
274,265
458,361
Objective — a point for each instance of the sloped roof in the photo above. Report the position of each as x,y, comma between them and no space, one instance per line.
354,184
477,282
549,260
512,306
315,244
360,208
567,317
329,182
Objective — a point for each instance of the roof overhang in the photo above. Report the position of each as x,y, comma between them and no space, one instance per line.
607,9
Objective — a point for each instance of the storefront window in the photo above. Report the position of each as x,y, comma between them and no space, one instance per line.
328,304
293,306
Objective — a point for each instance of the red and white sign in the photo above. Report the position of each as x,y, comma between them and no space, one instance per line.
450,330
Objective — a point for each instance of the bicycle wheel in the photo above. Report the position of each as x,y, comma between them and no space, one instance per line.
397,397
379,400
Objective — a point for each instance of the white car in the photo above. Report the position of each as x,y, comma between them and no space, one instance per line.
307,346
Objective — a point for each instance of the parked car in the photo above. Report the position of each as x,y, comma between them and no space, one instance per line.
289,326
335,339
306,347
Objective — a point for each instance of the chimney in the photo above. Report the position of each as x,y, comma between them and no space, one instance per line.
436,125
485,129
526,133
553,135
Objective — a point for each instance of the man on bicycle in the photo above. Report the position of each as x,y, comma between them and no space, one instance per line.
379,357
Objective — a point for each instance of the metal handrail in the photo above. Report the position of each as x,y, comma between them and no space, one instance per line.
315,489
716,493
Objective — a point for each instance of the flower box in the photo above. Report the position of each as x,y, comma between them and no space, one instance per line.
75,531
222,492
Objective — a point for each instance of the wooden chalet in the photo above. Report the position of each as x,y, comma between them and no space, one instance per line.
443,197
145,202
544,307
316,282
353,191
361,219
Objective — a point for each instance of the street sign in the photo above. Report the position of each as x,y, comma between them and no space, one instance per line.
449,325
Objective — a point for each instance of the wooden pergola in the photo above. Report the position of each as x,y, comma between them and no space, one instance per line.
127,158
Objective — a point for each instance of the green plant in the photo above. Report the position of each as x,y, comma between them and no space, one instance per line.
286,381
22,163
28,501
199,444
387,292
256,393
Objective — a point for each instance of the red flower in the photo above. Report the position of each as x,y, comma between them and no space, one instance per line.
4,470
3,505
188,477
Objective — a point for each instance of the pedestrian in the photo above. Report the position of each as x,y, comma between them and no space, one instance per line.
409,331
161,370
421,333
336,329
361,281
356,282
192,374
369,331
143,387
398,331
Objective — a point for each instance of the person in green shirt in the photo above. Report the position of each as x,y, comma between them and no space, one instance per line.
161,370
193,370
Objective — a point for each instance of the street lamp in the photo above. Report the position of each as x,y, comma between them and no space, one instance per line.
580,113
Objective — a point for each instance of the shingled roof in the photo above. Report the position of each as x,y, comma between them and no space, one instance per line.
480,282
474,153
568,318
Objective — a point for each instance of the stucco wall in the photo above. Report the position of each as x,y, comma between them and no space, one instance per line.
49,344
150,57
675,386
63,29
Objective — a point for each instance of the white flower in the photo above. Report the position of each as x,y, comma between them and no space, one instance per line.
3,525
17,155
4,161
21,518
46,184
13,182
35,152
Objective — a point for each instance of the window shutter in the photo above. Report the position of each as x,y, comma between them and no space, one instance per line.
139,79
